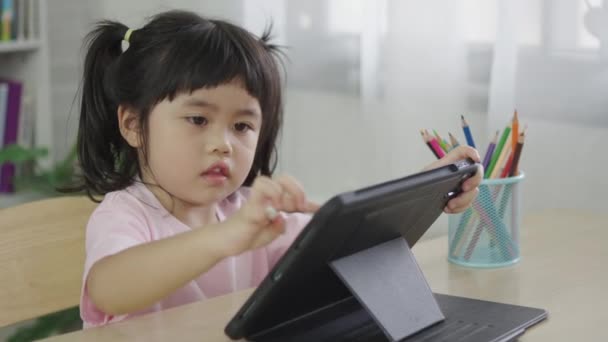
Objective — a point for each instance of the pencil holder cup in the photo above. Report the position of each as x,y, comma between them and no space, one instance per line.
486,235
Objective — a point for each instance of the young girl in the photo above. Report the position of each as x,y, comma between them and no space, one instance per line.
178,133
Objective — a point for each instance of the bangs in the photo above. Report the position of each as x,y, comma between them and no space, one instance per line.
206,56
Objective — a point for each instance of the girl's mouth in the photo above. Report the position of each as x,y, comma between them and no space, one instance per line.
217,173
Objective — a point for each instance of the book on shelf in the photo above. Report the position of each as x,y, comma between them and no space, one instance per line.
10,114
17,20
3,101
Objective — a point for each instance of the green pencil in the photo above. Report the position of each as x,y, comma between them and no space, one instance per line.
497,151
441,142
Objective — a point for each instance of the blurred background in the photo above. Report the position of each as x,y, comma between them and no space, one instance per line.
364,76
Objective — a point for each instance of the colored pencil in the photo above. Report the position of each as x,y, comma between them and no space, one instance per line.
453,140
514,131
504,154
441,141
498,151
500,160
447,145
489,217
467,132
438,150
517,155
428,143
507,169
490,151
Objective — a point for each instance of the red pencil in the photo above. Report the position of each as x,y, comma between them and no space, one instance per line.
425,137
438,150
507,169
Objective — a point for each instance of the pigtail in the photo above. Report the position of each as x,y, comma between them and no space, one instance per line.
100,146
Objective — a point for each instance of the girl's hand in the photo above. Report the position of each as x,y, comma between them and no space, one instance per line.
469,187
258,222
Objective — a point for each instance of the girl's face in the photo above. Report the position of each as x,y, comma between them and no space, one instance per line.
201,146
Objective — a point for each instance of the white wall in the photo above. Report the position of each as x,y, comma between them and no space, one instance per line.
134,13
65,41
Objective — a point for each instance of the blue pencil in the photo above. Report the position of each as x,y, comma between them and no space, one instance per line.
467,132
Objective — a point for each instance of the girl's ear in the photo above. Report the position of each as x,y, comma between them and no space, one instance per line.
129,126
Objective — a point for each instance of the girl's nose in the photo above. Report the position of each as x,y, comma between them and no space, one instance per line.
219,143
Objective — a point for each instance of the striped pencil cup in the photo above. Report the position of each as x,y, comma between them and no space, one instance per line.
487,234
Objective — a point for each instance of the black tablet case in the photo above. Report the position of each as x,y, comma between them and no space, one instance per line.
358,244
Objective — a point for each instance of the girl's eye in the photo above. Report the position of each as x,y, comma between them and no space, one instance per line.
197,120
242,127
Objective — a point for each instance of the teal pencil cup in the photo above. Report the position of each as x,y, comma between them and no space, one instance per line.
487,234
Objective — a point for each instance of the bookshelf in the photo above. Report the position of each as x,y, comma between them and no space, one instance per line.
27,60
19,46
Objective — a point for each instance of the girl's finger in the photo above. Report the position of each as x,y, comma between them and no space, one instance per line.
264,191
291,186
468,152
289,203
269,233
463,201
311,207
474,181
264,201
278,225
461,152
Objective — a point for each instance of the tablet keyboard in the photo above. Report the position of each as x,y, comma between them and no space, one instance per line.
448,330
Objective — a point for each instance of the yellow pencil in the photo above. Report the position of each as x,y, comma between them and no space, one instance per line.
500,163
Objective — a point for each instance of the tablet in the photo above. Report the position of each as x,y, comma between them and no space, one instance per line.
302,280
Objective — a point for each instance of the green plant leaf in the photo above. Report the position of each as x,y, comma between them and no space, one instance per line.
18,154
47,181
49,325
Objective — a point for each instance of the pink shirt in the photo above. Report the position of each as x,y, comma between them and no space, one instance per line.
134,216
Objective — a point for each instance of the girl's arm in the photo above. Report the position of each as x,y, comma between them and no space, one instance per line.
114,283
140,276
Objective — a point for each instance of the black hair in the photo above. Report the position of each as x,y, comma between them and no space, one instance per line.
175,52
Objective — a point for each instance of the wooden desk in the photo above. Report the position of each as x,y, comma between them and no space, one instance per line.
563,269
